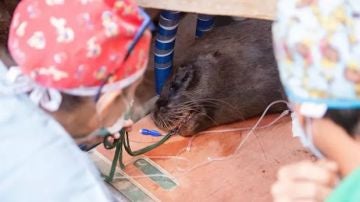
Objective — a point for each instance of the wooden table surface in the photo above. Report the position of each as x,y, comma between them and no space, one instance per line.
261,9
245,177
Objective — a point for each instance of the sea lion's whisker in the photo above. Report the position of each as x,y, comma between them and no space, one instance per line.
210,100
166,124
162,121
211,119
213,101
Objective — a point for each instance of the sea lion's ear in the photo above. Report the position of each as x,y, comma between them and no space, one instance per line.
216,54
213,56
184,67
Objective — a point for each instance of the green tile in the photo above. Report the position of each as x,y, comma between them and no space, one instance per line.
125,186
148,169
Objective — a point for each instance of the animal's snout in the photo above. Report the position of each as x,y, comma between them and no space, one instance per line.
162,109
161,105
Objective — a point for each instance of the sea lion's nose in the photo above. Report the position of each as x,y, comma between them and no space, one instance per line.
161,103
162,109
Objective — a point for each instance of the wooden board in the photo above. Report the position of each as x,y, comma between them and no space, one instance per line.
245,177
261,9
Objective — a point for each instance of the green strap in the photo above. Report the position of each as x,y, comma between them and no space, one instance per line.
118,155
124,141
146,149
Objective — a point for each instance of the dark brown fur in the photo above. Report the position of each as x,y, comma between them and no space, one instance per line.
228,75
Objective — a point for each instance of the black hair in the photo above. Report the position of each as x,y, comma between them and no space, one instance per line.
349,119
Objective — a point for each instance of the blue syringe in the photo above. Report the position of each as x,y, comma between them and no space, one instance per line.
153,133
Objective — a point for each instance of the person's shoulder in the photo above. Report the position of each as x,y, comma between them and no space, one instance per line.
3,68
348,189
39,159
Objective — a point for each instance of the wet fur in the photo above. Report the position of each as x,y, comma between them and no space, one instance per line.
228,75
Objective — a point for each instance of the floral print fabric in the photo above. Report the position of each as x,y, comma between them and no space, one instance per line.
317,46
75,44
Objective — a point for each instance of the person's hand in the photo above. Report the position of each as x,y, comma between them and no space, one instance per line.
93,140
127,126
305,181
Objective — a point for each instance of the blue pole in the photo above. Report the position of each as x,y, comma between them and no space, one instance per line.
164,46
204,24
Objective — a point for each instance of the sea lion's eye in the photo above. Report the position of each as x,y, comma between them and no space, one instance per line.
185,78
174,88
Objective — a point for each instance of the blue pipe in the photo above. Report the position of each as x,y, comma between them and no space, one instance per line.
164,47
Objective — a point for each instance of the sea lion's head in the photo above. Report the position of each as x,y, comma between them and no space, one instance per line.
185,100
229,75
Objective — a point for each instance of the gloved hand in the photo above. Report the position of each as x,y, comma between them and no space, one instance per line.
305,181
89,141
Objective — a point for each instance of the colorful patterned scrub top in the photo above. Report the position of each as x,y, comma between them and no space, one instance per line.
317,47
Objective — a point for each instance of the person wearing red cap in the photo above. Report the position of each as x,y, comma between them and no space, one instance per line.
78,65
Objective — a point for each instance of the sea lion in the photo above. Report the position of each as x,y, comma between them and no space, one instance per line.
228,75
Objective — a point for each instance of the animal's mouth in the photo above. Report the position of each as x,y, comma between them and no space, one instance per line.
178,127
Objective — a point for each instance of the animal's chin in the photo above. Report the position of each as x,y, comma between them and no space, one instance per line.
186,132
184,127
189,127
